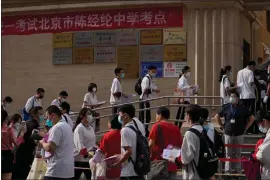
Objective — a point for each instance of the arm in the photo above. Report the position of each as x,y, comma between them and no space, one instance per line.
55,136
78,140
152,137
188,148
218,120
263,152
251,79
29,104
250,122
11,135
182,85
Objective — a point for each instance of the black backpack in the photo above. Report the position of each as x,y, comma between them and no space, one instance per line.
142,164
138,86
208,160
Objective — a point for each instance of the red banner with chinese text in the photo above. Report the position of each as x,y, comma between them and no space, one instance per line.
158,17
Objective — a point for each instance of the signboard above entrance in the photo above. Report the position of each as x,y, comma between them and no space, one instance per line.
155,17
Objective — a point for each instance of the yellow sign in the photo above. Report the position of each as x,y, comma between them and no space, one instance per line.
62,40
83,55
128,54
149,37
175,53
174,36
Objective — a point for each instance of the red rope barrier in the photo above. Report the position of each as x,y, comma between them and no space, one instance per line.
232,160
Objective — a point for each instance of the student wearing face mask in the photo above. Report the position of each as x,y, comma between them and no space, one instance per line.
264,149
84,141
116,89
225,84
186,89
63,95
24,154
65,108
15,123
6,102
33,101
238,119
148,89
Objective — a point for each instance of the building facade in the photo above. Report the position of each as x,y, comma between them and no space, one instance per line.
205,35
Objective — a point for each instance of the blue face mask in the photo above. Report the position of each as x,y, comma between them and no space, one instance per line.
48,123
122,76
120,120
206,127
41,118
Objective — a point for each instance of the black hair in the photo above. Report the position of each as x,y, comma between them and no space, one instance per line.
152,68
54,109
91,86
82,114
117,71
8,99
40,90
261,115
184,70
4,116
115,123
235,93
128,109
15,118
224,71
34,111
252,63
164,112
63,93
65,106
204,115
193,110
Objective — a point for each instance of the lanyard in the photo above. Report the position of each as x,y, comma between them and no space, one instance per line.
233,111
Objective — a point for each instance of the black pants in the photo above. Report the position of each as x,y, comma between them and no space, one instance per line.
78,172
181,115
132,177
250,104
145,116
7,158
55,178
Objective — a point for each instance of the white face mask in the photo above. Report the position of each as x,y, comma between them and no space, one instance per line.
90,119
94,90
188,74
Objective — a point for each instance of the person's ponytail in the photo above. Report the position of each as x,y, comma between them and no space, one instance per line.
82,114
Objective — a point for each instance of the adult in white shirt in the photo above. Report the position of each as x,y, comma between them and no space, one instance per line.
61,145
63,95
91,101
185,89
128,142
84,142
6,102
264,149
33,101
246,84
225,84
65,108
116,89
148,88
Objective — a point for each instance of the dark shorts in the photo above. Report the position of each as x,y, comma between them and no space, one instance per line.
7,158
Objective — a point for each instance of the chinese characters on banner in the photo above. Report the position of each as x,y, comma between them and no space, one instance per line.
174,36
83,55
173,69
104,54
150,37
152,53
62,40
175,53
156,17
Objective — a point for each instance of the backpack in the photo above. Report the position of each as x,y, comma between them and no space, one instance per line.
26,115
207,158
142,164
219,145
138,86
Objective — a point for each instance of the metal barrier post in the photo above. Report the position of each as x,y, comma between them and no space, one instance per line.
219,168
210,113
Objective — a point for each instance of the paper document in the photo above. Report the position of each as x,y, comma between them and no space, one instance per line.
171,153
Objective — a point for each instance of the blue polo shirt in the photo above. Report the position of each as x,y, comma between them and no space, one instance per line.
240,115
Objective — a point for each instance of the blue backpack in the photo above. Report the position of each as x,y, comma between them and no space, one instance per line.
26,115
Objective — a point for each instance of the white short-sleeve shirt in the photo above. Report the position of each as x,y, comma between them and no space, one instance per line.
84,137
147,83
129,138
90,99
56,102
116,87
61,163
244,78
225,83
184,86
32,102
